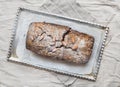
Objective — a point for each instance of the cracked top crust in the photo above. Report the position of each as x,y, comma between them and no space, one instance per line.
59,42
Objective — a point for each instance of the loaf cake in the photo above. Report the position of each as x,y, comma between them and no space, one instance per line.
59,42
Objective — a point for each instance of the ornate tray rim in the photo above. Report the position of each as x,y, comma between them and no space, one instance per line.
91,77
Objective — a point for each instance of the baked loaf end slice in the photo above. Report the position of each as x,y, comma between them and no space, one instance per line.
59,42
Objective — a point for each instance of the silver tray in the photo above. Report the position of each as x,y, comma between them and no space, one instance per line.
19,54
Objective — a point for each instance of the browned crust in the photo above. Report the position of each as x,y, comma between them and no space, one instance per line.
59,42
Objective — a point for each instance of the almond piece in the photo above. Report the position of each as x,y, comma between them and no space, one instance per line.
64,43
75,47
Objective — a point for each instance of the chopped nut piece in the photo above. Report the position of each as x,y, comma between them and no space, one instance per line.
75,47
